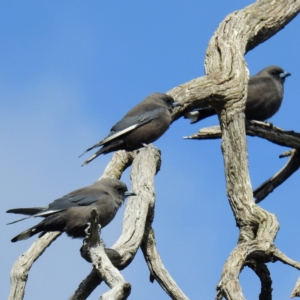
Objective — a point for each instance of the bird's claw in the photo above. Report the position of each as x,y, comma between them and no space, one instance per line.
87,230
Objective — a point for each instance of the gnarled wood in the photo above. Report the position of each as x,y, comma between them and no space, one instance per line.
263,130
94,248
156,267
20,269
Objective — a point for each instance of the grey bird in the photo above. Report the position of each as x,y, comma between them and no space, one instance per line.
72,212
265,93
143,124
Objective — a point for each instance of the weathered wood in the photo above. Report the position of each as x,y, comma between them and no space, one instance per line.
282,175
20,269
156,267
120,161
296,290
276,135
273,134
94,248
263,273
225,88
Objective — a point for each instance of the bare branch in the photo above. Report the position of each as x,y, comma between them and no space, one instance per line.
20,269
273,134
296,290
286,260
156,267
268,186
144,167
87,286
120,161
254,128
262,271
94,248
239,32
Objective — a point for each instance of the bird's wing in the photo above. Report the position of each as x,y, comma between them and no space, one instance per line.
88,199
129,123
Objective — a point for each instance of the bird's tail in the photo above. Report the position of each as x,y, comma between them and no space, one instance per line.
26,211
99,152
92,147
198,115
25,234
31,211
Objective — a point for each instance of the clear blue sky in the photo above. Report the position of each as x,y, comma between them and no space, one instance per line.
69,71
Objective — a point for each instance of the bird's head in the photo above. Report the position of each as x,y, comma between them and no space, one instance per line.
116,188
167,101
277,73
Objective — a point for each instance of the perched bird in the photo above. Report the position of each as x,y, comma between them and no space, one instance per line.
72,212
265,93
143,124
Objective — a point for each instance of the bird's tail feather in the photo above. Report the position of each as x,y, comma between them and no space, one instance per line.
89,149
18,220
26,211
99,152
25,234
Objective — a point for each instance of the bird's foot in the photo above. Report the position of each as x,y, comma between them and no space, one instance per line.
269,124
87,230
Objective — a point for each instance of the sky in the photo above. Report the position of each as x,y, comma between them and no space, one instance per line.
69,71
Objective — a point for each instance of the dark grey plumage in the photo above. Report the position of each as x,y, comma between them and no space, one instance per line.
72,212
265,93
143,124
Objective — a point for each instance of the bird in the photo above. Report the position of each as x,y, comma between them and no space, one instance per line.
143,124
265,94
72,212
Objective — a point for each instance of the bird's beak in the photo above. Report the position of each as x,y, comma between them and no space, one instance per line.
174,104
129,193
284,74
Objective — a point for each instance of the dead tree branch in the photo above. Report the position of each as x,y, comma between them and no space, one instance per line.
272,134
225,88
271,184
262,271
263,130
94,248
20,269
156,267
296,290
